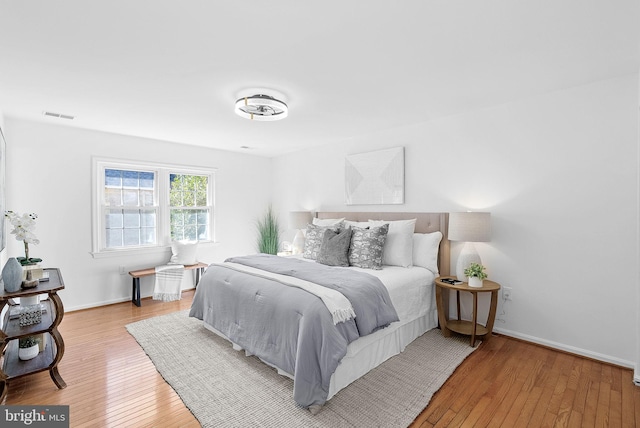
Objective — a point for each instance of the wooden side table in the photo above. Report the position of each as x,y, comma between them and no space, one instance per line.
471,328
11,332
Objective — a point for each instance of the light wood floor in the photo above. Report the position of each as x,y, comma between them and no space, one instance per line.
507,383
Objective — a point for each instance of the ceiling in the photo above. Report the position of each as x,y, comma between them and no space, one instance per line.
172,70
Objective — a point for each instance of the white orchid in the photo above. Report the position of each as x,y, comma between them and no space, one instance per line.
23,226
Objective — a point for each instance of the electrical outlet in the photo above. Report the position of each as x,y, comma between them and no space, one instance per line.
506,293
122,270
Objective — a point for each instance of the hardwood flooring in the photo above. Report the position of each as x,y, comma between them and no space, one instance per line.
505,383
110,380
510,383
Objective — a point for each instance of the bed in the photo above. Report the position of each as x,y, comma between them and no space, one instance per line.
243,300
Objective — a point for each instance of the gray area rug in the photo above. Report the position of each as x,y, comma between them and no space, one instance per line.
224,388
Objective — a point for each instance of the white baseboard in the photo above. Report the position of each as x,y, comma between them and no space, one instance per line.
97,304
572,350
110,302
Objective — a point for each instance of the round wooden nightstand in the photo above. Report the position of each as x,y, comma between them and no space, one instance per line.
471,328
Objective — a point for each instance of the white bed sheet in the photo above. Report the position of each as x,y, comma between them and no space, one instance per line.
409,288
412,293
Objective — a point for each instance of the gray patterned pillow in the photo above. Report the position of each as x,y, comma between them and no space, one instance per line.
313,240
366,247
335,248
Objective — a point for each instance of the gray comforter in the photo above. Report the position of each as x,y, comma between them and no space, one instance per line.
287,326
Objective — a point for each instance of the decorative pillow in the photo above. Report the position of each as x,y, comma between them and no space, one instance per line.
328,221
366,247
313,240
335,248
184,252
398,249
425,250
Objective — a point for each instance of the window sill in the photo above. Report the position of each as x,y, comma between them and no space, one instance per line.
141,250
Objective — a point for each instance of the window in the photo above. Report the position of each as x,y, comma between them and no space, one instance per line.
141,206
131,209
189,208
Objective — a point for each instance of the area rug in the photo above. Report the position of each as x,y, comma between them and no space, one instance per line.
224,388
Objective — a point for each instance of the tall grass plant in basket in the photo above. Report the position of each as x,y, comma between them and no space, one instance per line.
268,232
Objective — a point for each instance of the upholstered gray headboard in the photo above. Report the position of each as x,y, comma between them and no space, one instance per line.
425,223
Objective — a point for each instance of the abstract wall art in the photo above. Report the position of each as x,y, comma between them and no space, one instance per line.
375,178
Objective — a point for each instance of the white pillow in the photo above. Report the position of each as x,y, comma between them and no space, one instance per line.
184,252
327,221
398,248
360,224
425,250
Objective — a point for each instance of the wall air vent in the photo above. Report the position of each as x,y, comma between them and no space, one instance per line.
58,115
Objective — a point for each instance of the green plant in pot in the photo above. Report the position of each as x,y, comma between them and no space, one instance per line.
268,233
28,347
476,274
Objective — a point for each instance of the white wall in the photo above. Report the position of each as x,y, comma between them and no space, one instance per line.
636,377
3,253
557,171
559,174
49,173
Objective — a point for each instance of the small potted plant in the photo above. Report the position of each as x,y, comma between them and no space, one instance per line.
476,274
28,348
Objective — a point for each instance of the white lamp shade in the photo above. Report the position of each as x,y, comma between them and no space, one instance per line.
299,219
470,227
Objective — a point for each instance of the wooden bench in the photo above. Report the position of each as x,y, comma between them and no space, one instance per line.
137,274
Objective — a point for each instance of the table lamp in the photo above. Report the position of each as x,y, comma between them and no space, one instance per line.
469,227
298,220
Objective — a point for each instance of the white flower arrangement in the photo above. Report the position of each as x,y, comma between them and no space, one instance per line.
23,226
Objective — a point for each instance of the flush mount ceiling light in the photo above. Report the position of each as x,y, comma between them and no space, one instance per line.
261,107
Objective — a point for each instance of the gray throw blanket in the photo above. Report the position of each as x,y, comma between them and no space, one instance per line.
287,326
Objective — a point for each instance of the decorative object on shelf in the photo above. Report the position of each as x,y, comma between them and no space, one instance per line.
23,226
28,348
31,275
30,311
30,300
12,275
298,220
42,342
268,233
29,280
375,177
476,274
261,107
469,227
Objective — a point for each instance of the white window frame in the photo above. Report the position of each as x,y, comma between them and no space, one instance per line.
161,196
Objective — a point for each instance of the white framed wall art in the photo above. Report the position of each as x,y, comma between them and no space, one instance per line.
375,178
